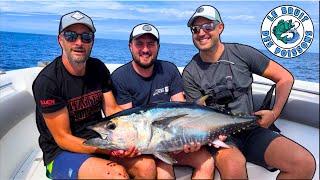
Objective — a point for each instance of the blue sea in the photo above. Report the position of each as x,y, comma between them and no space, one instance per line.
21,50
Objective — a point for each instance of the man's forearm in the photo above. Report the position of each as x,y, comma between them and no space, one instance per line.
283,89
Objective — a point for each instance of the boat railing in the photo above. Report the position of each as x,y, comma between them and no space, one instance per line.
17,104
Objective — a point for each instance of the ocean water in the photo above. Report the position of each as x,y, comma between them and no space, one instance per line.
21,50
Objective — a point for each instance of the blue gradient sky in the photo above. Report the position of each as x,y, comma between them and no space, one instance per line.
114,20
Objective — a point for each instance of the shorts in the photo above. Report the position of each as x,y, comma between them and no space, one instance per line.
253,144
66,165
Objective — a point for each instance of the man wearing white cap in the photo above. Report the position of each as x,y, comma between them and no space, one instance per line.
70,93
147,80
224,71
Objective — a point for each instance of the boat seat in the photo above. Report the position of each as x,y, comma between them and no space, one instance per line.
15,107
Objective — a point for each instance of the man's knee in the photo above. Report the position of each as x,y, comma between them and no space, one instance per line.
305,163
96,168
164,170
233,163
207,167
145,168
230,161
309,164
204,162
232,166
117,172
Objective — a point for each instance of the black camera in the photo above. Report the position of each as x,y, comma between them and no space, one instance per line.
220,95
224,97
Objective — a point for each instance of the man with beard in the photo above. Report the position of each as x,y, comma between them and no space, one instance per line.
70,93
147,80
224,71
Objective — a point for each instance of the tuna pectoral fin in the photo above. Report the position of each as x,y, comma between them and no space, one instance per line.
165,121
217,143
165,158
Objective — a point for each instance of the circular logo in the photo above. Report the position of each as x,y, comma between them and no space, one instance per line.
147,27
200,9
287,31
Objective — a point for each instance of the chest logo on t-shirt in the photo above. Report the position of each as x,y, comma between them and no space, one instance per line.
47,102
84,106
162,90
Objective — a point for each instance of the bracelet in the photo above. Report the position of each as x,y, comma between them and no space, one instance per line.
274,116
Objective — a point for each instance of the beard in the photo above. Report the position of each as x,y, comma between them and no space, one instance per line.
78,59
144,66
137,60
207,47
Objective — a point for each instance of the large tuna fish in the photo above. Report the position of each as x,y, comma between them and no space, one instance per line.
166,127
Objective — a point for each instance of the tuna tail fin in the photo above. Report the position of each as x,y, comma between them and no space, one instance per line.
202,100
165,158
267,105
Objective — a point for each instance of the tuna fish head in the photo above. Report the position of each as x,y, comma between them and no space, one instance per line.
115,133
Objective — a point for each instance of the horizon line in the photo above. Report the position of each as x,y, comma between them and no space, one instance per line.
127,40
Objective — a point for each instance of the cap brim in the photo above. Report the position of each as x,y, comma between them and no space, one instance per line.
138,35
92,29
190,22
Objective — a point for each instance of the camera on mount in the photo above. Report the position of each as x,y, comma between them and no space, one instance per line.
220,95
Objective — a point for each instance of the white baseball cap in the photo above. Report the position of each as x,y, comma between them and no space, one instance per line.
205,11
142,29
75,17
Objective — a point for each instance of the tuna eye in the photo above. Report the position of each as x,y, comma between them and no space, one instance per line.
111,126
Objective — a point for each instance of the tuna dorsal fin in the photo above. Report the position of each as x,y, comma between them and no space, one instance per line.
165,121
202,100
165,158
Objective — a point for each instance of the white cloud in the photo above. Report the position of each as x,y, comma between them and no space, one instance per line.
241,17
14,14
99,9
169,12
58,8
174,30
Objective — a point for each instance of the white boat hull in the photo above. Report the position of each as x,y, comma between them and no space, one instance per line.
21,157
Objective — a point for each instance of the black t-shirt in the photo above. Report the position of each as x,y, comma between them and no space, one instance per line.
129,86
199,77
55,88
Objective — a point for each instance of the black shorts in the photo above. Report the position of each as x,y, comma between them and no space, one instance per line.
253,144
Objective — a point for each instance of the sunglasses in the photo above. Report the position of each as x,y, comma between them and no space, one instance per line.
71,36
206,27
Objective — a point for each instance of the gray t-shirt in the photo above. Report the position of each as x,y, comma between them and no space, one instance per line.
200,77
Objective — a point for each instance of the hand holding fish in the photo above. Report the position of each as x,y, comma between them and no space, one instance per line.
188,148
219,142
267,118
131,152
192,147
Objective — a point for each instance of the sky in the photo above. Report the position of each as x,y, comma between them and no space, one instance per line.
115,19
